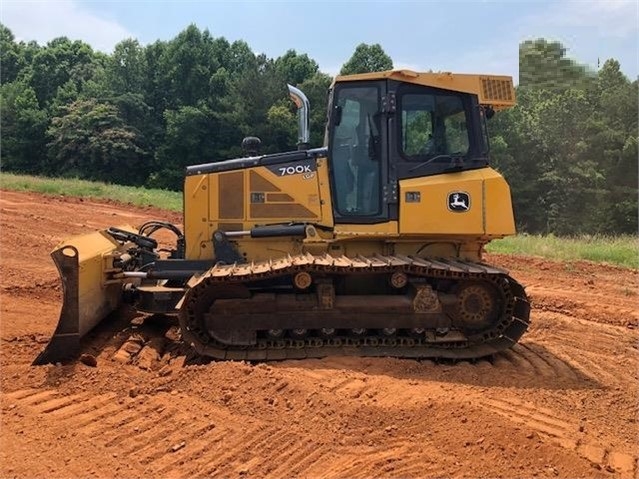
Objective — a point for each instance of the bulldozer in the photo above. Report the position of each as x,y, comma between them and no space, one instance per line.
370,245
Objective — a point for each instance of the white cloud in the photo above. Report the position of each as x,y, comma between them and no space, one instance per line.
609,18
493,60
45,20
401,65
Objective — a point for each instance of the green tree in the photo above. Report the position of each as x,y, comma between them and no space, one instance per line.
241,58
188,141
126,67
544,65
617,99
254,93
366,59
188,62
23,128
622,212
91,141
516,151
156,83
66,94
60,61
282,127
615,146
11,59
294,68
568,148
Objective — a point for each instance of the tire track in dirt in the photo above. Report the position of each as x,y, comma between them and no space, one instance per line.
86,407
171,443
181,463
126,430
545,367
525,361
150,454
132,428
544,421
267,448
307,450
530,361
562,368
244,439
529,364
591,366
394,461
118,424
540,419
593,306
589,355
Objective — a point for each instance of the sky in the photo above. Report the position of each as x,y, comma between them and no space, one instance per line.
460,36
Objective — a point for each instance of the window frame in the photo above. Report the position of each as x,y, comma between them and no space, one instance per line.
407,89
381,215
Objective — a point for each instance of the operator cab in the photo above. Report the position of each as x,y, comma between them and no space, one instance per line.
382,131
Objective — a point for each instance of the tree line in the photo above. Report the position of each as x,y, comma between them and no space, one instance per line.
141,114
569,148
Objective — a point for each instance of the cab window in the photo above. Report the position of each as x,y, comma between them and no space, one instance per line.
432,124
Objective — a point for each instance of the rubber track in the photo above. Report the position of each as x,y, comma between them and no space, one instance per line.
218,282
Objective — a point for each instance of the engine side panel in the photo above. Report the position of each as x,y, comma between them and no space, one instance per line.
473,203
262,195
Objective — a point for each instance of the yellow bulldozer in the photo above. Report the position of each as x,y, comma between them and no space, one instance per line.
370,245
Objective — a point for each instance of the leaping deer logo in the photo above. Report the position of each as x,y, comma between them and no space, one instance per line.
458,201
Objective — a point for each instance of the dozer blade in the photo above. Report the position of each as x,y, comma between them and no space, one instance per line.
88,295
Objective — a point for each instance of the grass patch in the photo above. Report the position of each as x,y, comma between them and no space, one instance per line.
619,250
168,200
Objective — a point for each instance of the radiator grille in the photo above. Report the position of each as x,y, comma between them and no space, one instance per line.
496,90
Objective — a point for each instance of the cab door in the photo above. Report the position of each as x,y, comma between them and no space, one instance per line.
358,154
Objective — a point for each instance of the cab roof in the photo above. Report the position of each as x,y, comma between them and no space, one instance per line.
496,91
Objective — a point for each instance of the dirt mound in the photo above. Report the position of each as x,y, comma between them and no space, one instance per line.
562,403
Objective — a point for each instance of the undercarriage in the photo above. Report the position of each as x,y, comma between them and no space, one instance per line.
309,306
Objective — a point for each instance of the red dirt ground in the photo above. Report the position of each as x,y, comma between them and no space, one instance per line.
562,403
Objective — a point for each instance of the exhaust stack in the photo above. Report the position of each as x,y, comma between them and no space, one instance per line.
303,108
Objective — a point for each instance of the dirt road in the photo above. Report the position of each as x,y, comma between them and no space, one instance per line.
563,403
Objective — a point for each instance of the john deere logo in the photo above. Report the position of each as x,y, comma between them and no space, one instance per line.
458,201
